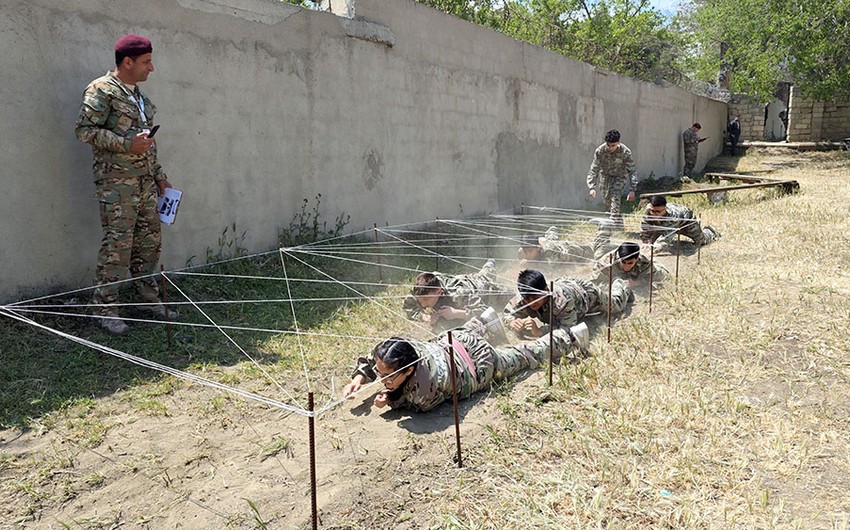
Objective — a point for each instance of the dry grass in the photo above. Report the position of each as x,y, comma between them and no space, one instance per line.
726,407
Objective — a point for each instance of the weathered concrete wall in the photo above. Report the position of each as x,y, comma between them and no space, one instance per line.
811,120
263,104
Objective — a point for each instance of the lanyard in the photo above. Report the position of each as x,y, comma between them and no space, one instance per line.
140,101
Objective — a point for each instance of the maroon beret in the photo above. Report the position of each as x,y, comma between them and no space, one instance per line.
697,126
133,45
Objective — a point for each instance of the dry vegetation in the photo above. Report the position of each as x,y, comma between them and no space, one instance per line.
726,407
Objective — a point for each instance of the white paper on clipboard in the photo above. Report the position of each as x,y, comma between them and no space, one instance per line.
167,204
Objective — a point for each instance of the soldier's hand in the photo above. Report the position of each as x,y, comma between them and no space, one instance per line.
140,143
532,327
352,387
592,193
381,400
631,196
517,324
450,313
161,185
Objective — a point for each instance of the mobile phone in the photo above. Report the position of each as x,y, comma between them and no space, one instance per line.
153,131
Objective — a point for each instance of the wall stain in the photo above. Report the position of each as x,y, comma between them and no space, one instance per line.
373,168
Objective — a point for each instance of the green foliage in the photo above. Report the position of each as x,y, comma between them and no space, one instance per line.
305,226
760,42
229,245
626,36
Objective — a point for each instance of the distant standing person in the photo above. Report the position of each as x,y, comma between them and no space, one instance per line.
612,165
691,141
116,119
734,129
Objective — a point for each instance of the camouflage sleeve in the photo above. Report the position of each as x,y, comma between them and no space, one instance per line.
593,175
365,367
565,313
156,169
660,273
412,308
514,310
91,121
472,302
648,232
631,169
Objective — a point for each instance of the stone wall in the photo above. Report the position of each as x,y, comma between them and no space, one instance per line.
811,120
750,116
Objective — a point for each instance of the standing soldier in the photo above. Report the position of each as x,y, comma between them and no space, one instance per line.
734,129
691,142
612,165
116,119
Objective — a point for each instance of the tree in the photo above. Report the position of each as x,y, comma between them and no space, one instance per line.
625,36
761,42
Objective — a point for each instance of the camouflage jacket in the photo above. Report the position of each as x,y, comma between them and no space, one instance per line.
460,292
690,138
109,119
611,165
639,272
572,299
431,383
665,228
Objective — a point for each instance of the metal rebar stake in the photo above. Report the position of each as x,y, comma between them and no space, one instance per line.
651,270
699,247
551,329
610,283
164,305
678,253
378,255
453,371
312,422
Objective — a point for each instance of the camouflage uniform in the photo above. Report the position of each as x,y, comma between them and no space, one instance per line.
460,292
677,219
126,187
691,143
430,384
574,298
557,249
615,169
639,272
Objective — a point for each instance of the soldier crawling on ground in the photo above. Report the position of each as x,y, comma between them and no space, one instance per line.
552,249
527,314
416,374
631,266
663,220
437,297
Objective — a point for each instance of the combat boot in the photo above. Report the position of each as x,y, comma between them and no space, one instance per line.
160,312
580,337
114,326
494,330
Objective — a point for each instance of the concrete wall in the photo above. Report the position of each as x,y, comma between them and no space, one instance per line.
402,115
811,120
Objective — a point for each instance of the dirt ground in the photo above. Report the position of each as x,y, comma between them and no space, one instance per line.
214,461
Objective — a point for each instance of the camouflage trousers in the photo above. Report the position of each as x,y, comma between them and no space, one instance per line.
612,192
690,160
508,361
597,297
695,232
131,238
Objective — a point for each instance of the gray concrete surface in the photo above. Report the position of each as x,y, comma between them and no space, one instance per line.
405,115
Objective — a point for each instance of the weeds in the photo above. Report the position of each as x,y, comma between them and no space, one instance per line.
305,226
